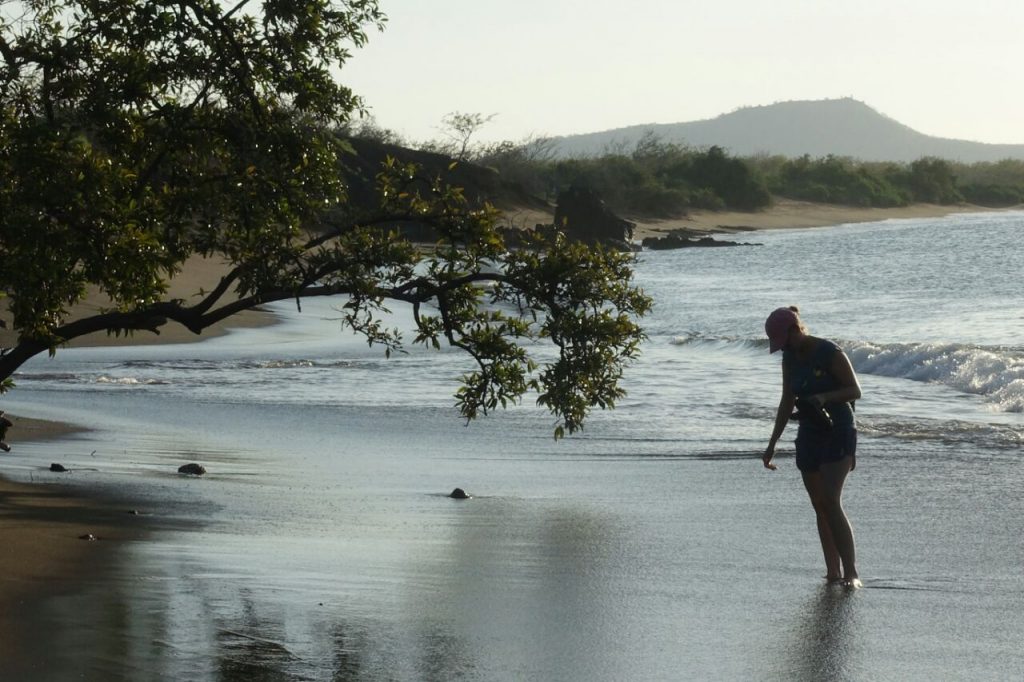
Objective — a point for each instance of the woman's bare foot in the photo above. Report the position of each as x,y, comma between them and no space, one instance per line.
853,583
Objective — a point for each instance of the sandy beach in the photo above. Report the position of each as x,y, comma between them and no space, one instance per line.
40,525
783,214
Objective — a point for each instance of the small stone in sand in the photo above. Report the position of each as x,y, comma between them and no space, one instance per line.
192,469
59,468
459,494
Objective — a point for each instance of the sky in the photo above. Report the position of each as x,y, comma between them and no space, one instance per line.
554,67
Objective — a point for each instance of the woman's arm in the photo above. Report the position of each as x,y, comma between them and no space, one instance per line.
782,415
849,387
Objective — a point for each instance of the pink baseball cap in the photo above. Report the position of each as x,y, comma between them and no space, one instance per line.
777,327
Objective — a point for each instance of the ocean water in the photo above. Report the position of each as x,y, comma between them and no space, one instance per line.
653,545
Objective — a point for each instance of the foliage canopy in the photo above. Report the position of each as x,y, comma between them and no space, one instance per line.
136,134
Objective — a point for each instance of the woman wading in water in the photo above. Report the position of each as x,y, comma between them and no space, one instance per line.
819,381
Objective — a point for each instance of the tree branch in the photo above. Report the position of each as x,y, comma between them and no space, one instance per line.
8,53
234,9
216,23
218,291
372,221
199,317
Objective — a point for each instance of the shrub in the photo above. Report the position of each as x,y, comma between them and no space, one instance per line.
993,195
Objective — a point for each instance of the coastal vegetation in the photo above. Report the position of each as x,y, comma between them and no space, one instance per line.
846,181
662,180
136,135
655,178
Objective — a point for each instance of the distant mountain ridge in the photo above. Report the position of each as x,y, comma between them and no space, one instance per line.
843,127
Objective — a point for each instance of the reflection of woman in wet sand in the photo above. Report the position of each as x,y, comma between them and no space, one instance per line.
825,639
818,379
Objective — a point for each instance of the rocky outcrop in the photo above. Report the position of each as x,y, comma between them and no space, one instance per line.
677,242
583,217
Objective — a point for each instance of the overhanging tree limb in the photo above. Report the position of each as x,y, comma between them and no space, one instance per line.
164,131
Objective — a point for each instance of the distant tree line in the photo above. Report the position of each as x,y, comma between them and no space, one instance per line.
841,180
655,178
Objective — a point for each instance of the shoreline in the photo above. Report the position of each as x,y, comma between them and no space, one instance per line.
783,214
792,214
27,628
41,526
202,274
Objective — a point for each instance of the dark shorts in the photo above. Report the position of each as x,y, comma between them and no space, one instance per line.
814,448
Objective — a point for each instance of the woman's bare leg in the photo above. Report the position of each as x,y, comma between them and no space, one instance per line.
833,476
815,485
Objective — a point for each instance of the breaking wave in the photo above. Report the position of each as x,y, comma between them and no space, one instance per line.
996,373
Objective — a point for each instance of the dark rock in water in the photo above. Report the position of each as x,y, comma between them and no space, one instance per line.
192,469
88,536
676,242
57,467
459,494
585,218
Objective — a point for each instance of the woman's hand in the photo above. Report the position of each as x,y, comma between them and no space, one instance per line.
767,457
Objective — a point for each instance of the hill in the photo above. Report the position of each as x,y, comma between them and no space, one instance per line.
843,127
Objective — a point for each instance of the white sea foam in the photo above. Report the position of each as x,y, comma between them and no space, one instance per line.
128,381
997,374
283,364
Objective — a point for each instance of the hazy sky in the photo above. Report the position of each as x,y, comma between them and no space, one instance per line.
550,67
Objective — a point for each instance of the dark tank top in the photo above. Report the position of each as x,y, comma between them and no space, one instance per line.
812,376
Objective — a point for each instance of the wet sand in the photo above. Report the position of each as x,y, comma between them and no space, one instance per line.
43,555
41,525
